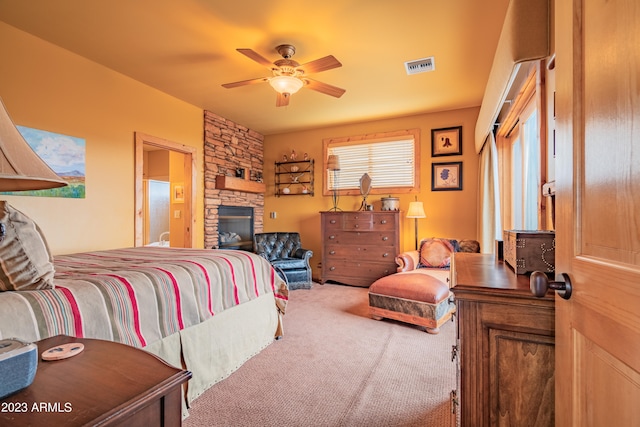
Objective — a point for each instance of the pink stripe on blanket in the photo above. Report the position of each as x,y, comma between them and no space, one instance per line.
236,296
208,279
134,307
253,273
75,310
176,292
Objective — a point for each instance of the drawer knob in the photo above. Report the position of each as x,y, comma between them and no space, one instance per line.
384,221
332,237
385,238
386,254
332,252
332,268
356,226
333,221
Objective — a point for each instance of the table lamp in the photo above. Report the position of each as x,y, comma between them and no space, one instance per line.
416,210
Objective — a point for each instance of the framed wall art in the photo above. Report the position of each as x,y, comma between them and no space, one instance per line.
446,141
446,176
178,193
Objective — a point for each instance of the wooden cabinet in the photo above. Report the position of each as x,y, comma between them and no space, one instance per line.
505,348
294,178
359,247
107,384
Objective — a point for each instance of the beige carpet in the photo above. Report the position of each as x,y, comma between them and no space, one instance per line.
336,366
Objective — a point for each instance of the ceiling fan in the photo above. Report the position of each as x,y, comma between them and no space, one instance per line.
289,76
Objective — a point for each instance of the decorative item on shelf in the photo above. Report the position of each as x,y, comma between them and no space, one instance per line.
306,156
333,165
305,189
293,155
285,158
390,203
294,174
240,173
416,210
365,188
286,190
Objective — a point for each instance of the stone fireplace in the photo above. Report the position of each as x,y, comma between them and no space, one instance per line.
228,148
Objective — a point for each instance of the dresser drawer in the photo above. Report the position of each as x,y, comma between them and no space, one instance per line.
362,253
360,238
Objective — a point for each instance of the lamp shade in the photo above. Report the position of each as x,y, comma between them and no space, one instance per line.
286,84
416,210
20,167
333,162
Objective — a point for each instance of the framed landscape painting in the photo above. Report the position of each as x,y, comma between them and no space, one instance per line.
446,141
446,176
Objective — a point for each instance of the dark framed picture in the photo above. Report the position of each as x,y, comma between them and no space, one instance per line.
446,176
446,141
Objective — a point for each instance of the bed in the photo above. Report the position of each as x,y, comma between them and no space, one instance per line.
205,310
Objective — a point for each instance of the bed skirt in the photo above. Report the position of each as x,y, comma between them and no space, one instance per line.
214,349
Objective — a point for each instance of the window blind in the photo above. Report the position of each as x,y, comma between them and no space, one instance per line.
388,163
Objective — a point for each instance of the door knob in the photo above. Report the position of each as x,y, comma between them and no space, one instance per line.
540,283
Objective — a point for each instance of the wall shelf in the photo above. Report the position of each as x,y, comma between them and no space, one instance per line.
224,182
294,178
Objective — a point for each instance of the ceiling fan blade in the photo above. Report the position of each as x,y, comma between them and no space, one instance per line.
245,82
324,88
282,100
256,57
323,64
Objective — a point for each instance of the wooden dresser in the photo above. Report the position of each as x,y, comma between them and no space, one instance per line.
359,247
505,346
107,384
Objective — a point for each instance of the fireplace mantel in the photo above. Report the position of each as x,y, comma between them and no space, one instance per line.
224,182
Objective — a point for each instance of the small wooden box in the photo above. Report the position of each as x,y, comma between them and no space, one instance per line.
528,251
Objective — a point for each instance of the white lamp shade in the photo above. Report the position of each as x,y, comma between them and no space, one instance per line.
416,210
286,84
333,162
20,167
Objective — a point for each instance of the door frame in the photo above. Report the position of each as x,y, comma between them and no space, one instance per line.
190,170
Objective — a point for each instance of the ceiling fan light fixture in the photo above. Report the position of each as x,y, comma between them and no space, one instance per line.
286,84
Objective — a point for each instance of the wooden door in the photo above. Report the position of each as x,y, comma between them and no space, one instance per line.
598,194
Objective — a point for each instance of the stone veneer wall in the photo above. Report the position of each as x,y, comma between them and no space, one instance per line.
227,146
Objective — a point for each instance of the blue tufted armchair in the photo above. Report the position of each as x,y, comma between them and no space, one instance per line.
284,251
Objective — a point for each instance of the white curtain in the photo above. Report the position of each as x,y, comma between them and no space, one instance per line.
490,222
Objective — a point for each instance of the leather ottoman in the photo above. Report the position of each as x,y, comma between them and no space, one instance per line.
413,297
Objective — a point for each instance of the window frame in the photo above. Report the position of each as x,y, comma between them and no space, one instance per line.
531,96
404,134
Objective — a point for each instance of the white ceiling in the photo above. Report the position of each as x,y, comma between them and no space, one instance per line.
187,48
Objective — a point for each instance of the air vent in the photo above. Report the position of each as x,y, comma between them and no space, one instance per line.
420,65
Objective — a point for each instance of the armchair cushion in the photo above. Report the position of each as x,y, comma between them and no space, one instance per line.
285,253
410,260
436,253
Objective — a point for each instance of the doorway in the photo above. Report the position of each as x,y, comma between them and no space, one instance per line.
181,181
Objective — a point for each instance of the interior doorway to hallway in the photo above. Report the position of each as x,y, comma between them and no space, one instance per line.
157,159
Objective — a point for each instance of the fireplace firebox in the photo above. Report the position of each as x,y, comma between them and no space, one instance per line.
235,227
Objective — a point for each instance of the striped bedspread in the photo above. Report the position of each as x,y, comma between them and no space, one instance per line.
138,296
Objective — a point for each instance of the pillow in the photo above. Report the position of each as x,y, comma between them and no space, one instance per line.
25,260
435,253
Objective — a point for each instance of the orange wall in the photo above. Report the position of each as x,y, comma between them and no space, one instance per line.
48,88
449,213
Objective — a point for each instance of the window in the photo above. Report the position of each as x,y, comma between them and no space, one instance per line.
390,159
522,161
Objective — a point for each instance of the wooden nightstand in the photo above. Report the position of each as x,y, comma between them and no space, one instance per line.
107,384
